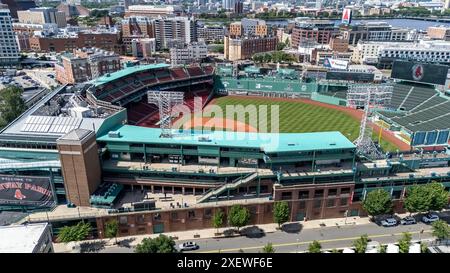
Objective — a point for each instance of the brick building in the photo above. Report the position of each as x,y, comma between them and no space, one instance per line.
318,30
245,48
104,40
85,64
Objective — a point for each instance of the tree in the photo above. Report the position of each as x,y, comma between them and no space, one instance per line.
11,104
405,242
281,46
268,248
421,198
417,199
314,247
111,229
382,249
361,244
217,219
439,196
238,216
78,232
377,202
281,212
160,244
441,230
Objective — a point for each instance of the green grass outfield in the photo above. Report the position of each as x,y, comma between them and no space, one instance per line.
298,117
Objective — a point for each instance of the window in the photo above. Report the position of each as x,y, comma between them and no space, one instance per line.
287,195
156,216
345,190
318,193
174,215
123,220
303,194
191,214
344,201
208,213
331,203
302,205
332,192
140,219
317,204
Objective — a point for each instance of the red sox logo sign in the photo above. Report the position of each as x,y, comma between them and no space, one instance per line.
417,72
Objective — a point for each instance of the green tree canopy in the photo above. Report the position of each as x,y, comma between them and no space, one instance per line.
360,244
405,242
268,248
160,244
238,216
314,247
281,212
111,229
441,230
217,219
439,196
377,202
421,198
78,232
11,104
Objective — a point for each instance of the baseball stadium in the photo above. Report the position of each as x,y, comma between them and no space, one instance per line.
114,145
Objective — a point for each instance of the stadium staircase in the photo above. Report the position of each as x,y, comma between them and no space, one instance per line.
228,186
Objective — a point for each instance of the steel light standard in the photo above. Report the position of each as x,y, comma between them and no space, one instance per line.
297,244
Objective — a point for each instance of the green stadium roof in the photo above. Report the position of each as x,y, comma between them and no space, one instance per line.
268,142
125,72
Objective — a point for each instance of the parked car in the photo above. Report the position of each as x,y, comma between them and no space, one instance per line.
188,246
389,222
408,220
430,218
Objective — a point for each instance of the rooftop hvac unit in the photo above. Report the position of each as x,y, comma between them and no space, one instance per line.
114,134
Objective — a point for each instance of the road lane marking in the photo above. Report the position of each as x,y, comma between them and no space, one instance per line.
308,242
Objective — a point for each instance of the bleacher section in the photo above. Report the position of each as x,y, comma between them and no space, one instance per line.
106,195
419,108
406,97
138,111
119,88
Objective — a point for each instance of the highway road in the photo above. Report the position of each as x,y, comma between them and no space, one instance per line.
287,242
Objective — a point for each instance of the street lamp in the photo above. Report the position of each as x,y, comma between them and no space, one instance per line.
297,245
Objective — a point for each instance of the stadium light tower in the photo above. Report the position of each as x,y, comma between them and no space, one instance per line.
368,97
165,100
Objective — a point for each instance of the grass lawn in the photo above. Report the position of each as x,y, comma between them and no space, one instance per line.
298,117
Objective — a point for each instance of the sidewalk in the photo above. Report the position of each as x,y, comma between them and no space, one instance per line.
210,233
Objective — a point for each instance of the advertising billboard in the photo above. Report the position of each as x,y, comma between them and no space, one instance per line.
26,191
335,63
420,72
350,76
346,16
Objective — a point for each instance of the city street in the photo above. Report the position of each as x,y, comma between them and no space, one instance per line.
283,242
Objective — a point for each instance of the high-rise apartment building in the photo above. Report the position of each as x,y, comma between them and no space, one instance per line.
9,50
174,28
